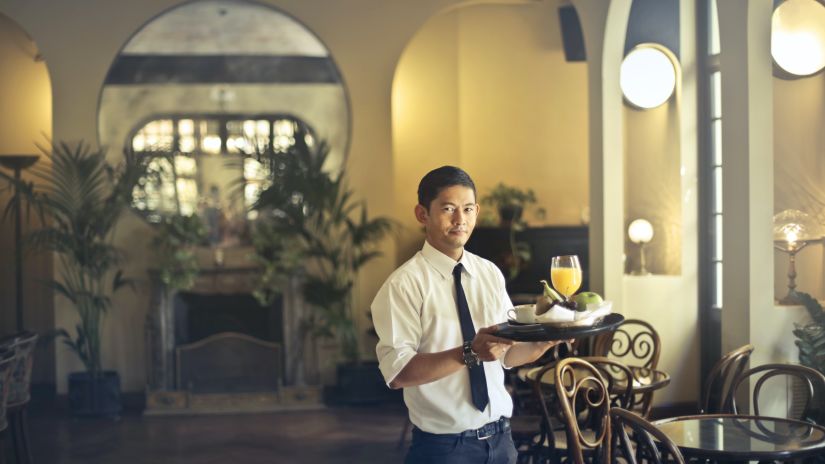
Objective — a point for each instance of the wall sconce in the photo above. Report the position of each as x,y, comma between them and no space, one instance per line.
793,230
647,76
798,37
640,232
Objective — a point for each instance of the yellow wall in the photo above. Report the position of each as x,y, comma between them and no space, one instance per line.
425,118
506,107
799,166
653,185
25,118
523,107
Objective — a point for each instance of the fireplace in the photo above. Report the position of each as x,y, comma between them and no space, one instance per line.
199,315
214,348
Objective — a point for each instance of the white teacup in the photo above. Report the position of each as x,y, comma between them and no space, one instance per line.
526,314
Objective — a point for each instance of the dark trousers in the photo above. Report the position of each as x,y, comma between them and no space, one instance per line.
428,448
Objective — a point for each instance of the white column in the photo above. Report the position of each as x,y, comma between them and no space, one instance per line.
604,24
747,155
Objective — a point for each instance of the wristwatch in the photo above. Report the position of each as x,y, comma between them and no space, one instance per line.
470,356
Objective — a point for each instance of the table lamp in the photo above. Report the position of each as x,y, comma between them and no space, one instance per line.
640,232
793,230
17,163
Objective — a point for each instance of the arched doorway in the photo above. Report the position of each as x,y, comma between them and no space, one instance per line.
25,120
507,107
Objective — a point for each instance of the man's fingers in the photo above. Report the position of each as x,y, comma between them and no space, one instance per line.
488,330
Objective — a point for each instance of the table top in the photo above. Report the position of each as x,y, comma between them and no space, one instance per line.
644,379
728,436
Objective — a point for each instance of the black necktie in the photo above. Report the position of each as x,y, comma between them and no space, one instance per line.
478,381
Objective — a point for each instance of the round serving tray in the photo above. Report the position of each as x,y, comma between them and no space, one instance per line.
558,330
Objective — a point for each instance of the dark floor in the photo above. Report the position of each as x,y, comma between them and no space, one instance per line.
333,435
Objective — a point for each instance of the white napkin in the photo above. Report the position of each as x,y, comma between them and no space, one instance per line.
595,310
559,313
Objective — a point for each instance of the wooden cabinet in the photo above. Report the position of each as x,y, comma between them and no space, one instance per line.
493,243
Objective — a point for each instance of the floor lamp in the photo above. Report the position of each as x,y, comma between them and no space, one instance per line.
17,163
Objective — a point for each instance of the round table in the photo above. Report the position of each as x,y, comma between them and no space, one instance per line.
734,437
644,379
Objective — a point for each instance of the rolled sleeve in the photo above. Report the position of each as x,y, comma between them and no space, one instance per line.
397,321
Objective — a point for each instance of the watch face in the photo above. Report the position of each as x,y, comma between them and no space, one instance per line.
470,357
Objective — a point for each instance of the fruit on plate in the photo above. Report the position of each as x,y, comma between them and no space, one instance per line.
585,298
548,298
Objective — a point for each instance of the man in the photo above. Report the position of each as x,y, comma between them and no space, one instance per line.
436,319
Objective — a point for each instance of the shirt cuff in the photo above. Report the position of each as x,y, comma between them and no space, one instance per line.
393,363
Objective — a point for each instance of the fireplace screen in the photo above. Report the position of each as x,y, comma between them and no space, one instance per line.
229,362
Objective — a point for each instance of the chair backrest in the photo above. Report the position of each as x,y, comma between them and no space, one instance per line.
8,360
584,401
634,342
718,392
636,440
812,381
23,345
619,380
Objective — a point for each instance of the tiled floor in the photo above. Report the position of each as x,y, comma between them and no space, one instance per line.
334,435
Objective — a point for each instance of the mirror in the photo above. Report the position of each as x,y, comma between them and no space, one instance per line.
207,82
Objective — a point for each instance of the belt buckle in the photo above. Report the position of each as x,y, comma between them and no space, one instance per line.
486,431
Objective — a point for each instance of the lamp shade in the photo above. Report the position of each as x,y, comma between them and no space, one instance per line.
640,231
798,36
792,226
647,76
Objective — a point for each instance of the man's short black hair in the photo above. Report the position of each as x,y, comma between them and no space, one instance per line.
438,179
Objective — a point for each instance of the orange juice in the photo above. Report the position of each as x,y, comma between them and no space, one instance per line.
566,280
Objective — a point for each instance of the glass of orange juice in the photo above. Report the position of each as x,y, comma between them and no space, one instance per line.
566,274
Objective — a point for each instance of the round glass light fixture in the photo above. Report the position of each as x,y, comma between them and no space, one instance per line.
798,37
647,76
640,231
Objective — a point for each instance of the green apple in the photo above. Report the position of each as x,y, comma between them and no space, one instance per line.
584,298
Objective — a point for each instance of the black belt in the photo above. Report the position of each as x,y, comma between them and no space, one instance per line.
482,433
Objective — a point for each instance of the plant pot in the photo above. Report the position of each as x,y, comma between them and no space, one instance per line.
361,383
509,214
94,397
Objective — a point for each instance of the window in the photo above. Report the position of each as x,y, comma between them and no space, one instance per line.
208,161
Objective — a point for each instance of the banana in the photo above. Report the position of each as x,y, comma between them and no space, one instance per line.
550,293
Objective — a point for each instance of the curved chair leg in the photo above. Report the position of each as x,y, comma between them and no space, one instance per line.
19,435
24,435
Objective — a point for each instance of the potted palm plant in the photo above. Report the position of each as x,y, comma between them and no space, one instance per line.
311,224
81,198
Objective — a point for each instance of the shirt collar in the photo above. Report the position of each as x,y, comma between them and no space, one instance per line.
443,263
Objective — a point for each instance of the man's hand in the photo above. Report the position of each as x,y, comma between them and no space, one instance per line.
488,346
527,352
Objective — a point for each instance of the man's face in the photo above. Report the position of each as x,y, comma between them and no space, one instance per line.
450,219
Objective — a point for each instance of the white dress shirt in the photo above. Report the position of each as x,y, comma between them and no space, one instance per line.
415,311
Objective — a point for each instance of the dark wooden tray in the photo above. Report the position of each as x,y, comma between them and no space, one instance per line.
549,332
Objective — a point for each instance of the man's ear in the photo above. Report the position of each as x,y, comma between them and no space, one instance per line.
421,214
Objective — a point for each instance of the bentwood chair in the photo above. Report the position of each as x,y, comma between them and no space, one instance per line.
635,440
717,393
7,362
810,381
527,424
19,393
582,399
635,342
